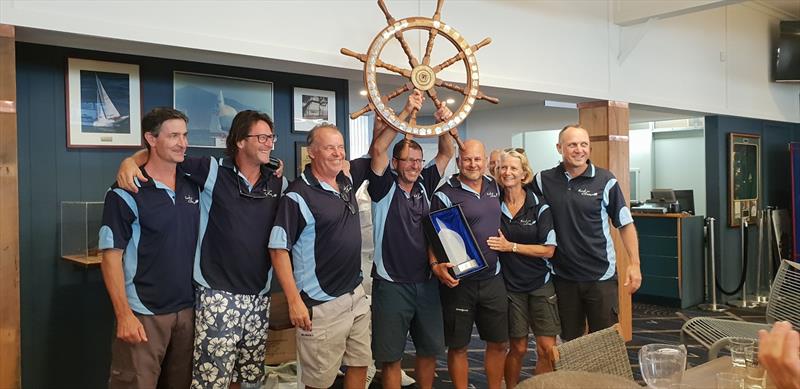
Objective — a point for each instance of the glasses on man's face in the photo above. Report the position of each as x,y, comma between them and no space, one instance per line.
412,161
346,195
264,138
244,192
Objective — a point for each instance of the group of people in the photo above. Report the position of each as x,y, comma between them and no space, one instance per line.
190,245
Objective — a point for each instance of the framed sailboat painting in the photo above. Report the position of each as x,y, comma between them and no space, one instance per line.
103,104
211,102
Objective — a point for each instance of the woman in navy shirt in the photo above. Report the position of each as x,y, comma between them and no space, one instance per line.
526,240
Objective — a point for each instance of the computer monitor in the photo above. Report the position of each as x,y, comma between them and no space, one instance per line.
686,199
663,195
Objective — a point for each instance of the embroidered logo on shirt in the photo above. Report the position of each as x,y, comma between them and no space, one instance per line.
587,193
417,196
527,222
492,194
190,200
270,193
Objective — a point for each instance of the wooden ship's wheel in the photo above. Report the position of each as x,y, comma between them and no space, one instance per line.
422,75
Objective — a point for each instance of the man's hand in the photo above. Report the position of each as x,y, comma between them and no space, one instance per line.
298,315
126,174
779,352
130,329
440,271
415,100
633,280
499,243
443,114
279,171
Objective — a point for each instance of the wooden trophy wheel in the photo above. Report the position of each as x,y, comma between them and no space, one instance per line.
422,75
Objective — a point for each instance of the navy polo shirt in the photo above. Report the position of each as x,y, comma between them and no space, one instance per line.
235,219
533,224
482,211
157,229
321,229
584,208
401,252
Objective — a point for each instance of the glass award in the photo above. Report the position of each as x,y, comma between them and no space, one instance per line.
452,239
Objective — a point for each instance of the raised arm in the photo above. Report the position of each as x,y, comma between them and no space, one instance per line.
446,147
129,169
383,135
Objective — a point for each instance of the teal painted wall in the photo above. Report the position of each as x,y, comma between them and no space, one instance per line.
67,321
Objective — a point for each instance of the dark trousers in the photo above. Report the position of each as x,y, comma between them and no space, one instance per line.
595,302
164,361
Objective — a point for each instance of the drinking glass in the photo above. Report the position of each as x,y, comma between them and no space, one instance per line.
737,346
729,381
662,364
755,371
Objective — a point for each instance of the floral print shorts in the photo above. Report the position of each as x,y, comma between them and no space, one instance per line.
230,338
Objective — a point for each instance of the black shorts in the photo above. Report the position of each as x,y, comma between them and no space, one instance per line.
483,303
579,303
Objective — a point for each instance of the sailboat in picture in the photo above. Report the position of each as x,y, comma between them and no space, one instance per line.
107,113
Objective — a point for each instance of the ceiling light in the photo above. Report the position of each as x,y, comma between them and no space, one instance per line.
450,101
560,104
363,92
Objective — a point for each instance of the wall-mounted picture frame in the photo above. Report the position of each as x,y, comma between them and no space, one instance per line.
312,107
103,104
744,178
301,157
211,102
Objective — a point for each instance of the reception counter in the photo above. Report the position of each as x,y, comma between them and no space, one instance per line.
671,253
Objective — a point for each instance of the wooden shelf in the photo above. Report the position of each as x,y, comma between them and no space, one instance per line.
84,260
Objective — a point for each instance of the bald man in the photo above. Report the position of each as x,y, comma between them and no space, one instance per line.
585,201
479,298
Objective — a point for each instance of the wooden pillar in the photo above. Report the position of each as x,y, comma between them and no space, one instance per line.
607,124
9,215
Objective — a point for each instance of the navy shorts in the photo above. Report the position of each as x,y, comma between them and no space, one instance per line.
402,308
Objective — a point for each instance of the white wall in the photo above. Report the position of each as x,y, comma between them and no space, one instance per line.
641,159
679,162
564,47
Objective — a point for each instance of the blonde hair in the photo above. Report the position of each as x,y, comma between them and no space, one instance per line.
523,160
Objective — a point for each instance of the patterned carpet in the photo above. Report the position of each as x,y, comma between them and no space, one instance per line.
651,324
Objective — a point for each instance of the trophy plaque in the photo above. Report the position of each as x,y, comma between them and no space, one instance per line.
452,239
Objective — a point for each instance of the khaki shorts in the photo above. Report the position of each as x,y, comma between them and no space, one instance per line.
340,335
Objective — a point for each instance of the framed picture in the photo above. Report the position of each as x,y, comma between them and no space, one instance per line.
300,157
744,178
103,104
312,107
211,102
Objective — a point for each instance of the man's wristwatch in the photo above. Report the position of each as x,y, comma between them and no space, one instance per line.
514,248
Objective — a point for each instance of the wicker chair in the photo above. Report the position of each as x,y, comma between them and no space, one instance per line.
599,352
784,304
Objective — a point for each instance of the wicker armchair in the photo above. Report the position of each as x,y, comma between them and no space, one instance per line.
599,352
784,300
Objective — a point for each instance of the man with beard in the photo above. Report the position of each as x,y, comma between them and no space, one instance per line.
404,297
